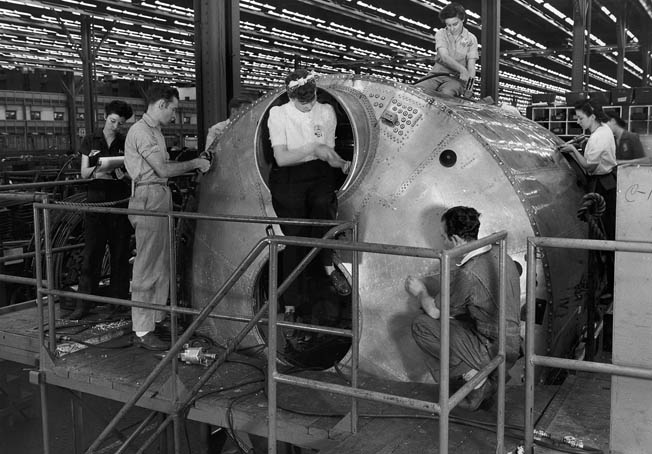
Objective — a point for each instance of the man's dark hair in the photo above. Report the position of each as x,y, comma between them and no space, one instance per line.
158,91
120,108
462,221
238,102
591,107
302,93
452,10
619,121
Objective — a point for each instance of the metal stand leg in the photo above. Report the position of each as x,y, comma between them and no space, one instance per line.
77,413
45,421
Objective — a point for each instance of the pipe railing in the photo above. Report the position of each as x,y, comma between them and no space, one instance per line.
173,309
446,403
273,242
190,397
531,359
42,184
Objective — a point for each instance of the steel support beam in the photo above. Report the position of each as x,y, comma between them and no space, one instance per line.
217,67
587,45
621,40
70,87
580,8
490,39
646,48
87,74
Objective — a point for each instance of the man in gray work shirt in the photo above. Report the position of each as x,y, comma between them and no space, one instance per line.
474,297
149,165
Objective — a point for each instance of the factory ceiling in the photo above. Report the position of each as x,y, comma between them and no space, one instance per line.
154,39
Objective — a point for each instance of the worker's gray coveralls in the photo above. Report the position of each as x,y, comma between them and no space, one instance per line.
474,306
150,282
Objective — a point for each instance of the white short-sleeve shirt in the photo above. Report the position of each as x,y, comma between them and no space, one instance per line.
600,151
293,128
461,48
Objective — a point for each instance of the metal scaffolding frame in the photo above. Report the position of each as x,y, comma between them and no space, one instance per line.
532,359
181,402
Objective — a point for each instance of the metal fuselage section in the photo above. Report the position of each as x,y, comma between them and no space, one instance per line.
414,156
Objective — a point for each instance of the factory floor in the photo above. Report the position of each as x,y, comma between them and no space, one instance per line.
307,416
20,418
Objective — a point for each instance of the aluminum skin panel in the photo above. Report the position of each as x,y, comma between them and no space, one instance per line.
504,166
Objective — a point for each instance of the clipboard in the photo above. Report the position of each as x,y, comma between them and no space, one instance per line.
110,163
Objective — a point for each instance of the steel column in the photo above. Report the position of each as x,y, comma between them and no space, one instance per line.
444,357
45,422
217,57
49,275
531,285
579,26
355,329
176,426
621,40
645,59
77,415
490,38
502,333
45,418
272,333
87,74
587,45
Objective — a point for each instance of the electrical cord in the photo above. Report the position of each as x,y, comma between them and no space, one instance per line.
511,431
229,418
46,328
100,345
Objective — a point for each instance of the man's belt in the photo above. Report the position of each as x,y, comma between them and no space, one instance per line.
151,183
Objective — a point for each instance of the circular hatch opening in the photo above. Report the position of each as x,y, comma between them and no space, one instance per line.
345,140
324,307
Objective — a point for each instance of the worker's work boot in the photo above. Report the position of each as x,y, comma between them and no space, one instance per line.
150,342
82,309
475,398
339,283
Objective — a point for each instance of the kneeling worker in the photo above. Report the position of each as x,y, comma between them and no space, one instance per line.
474,293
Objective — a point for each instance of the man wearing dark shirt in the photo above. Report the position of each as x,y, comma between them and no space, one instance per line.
628,144
474,298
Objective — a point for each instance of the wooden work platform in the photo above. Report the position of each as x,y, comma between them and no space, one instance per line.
235,397
19,333
580,409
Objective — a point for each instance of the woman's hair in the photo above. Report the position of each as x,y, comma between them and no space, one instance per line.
120,108
452,10
590,107
463,222
619,121
305,87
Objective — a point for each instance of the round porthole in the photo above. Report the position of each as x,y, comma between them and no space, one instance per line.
448,158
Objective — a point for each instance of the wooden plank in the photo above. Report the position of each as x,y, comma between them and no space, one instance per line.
19,355
581,410
306,418
17,307
632,318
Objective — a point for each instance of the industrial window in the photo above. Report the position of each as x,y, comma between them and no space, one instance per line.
10,115
186,120
35,115
58,116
